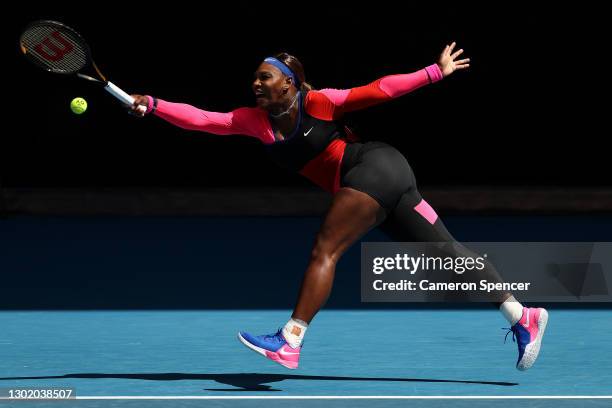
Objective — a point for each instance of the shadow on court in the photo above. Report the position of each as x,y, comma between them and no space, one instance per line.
251,381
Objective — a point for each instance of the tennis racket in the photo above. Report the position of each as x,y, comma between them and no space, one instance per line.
57,48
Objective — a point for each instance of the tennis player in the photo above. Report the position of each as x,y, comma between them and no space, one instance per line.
372,183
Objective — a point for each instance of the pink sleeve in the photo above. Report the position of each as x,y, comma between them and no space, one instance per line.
392,86
398,85
242,121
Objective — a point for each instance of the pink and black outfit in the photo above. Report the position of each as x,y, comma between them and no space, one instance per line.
323,150
326,152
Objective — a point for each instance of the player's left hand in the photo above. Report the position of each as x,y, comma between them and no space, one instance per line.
448,62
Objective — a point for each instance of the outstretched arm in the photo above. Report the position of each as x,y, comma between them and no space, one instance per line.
332,103
242,121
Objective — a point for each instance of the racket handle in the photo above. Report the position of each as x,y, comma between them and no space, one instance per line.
119,93
122,96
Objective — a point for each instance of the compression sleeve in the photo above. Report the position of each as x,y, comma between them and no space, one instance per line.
332,103
242,121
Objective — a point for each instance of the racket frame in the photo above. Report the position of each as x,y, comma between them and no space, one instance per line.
108,86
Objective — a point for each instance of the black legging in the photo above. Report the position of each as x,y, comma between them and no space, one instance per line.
382,172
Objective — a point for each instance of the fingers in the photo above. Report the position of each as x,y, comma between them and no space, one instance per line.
447,58
138,112
138,104
139,107
456,54
140,100
462,64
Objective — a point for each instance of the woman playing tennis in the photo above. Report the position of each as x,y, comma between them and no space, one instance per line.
372,183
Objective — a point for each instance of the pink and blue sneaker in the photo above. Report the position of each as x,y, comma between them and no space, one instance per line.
528,333
273,347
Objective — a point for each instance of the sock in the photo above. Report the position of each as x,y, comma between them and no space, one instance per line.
512,310
294,332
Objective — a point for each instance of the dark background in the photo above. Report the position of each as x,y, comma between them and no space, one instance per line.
220,262
529,112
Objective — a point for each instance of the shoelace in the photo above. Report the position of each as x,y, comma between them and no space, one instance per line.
278,336
275,335
510,330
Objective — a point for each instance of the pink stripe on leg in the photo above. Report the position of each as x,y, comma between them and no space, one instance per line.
426,211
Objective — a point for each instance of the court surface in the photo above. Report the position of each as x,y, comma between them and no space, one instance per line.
383,352
195,353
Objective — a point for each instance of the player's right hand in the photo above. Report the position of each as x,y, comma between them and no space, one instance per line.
139,101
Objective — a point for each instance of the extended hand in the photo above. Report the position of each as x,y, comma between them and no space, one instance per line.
447,62
137,108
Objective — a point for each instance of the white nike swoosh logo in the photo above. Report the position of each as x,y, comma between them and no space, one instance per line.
287,353
306,133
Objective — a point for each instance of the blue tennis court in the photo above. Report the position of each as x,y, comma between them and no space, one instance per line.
387,352
120,346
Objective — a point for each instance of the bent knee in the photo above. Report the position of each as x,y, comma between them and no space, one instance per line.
323,253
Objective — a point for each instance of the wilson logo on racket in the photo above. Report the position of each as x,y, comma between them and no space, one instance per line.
57,52
57,48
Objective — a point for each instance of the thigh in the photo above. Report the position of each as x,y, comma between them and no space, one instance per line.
352,213
382,172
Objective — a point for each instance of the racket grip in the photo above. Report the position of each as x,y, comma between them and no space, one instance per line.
119,93
122,96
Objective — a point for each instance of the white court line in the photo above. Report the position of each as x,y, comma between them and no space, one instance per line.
340,397
327,397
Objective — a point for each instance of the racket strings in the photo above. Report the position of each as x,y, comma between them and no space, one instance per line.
43,43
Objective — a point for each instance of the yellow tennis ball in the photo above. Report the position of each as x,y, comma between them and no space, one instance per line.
78,105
